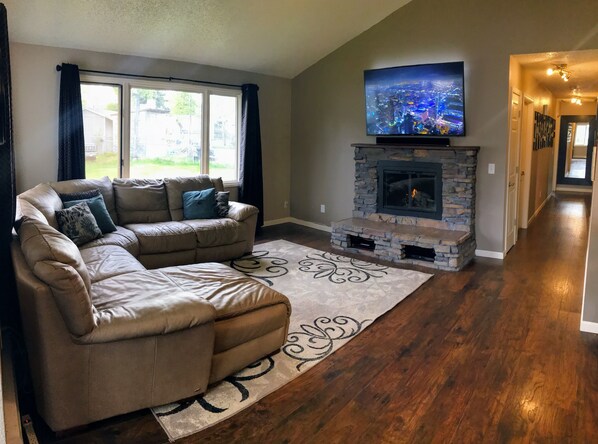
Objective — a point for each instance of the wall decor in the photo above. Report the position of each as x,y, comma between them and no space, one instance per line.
544,129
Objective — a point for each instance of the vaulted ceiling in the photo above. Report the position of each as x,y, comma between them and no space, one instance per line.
277,37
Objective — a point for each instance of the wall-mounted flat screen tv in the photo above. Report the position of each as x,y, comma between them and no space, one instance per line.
418,100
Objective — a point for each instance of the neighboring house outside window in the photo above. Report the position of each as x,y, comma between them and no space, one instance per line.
146,129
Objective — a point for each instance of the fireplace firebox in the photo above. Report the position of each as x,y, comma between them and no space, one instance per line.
410,188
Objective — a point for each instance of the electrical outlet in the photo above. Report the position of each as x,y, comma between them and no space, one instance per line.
286,204
322,208
491,168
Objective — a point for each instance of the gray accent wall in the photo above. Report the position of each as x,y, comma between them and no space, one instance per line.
328,98
35,114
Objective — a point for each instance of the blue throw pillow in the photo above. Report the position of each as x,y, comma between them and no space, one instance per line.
98,209
200,204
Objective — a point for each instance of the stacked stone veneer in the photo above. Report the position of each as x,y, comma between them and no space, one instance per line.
391,232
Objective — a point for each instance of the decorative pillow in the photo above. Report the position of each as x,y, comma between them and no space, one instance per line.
98,209
78,224
200,204
79,195
222,203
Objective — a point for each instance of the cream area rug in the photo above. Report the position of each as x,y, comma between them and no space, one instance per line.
333,299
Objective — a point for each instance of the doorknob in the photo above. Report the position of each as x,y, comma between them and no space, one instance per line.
523,173
511,184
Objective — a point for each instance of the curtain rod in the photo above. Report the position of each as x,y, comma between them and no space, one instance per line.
170,79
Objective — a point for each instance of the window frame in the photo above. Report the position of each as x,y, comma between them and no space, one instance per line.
126,84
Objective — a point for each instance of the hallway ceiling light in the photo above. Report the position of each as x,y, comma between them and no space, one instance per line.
576,92
561,70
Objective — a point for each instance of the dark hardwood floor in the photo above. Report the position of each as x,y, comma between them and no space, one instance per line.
489,354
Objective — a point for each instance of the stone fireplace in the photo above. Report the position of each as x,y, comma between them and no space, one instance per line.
412,205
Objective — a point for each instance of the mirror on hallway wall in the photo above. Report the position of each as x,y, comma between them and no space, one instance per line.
576,147
576,159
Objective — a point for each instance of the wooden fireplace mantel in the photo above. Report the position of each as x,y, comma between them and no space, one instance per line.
415,147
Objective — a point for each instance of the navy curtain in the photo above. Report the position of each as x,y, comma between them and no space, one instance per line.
7,165
71,144
251,189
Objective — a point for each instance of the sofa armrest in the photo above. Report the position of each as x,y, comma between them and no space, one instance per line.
180,311
239,211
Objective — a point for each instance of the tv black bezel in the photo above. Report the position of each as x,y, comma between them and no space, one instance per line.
425,136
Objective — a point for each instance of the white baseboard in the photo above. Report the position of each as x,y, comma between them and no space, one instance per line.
490,254
294,220
589,327
539,209
283,220
574,189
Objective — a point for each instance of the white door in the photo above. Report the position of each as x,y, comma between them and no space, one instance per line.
525,160
513,168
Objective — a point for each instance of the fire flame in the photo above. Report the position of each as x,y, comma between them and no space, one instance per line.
413,193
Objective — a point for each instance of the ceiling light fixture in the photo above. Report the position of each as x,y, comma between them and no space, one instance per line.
561,70
576,99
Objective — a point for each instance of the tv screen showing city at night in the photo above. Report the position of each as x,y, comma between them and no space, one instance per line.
415,100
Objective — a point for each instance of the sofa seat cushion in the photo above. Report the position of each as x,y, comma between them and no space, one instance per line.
144,303
245,308
229,291
215,232
232,332
106,261
121,237
163,237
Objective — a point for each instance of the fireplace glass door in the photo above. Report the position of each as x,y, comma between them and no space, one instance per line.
410,189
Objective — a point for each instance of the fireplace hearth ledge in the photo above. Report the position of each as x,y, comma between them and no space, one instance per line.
453,249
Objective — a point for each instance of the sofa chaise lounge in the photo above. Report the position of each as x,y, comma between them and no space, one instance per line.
139,317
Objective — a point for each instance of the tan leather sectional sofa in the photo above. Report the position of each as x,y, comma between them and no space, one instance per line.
137,318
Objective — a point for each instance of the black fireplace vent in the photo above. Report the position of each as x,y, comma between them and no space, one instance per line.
419,253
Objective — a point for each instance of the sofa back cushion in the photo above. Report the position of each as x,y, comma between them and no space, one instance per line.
56,261
45,199
79,185
176,186
140,201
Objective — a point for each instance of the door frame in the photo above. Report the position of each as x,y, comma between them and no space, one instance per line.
516,184
525,160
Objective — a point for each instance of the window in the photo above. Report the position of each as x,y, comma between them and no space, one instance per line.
101,127
582,131
166,129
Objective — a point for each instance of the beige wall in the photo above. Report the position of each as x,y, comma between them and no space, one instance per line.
35,114
328,99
